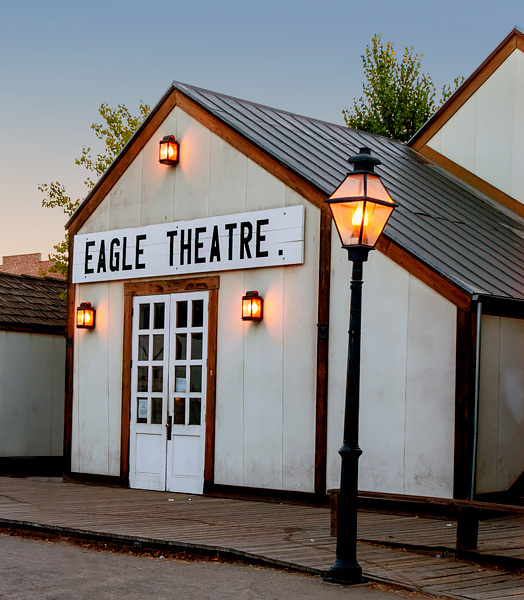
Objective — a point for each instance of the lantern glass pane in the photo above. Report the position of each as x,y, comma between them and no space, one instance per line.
163,150
378,217
348,219
376,189
246,308
351,187
80,317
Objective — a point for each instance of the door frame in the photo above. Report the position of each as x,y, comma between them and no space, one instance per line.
172,286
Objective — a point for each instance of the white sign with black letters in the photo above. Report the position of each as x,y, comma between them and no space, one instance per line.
265,238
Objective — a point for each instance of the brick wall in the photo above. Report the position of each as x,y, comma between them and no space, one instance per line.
28,264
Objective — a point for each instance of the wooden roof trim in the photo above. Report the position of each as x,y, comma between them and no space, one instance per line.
171,99
175,97
116,170
515,40
473,180
424,273
252,151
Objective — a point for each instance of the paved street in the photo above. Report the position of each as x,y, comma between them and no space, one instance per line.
55,570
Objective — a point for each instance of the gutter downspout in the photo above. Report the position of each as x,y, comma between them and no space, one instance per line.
476,401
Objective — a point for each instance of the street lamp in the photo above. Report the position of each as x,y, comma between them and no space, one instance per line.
361,207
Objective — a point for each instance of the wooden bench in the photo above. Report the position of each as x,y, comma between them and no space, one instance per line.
467,513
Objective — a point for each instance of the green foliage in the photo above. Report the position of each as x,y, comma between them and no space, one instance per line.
118,127
397,97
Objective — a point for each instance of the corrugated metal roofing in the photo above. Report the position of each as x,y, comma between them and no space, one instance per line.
32,302
461,233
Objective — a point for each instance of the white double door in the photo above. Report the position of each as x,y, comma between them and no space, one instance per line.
168,392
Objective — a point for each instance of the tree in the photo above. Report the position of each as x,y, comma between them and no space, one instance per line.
397,97
118,127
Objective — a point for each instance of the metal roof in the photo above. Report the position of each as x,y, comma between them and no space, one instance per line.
460,232
32,303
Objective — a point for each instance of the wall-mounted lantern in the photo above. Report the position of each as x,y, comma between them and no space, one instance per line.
252,306
169,150
85,316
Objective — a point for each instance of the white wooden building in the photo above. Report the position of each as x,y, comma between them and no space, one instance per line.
172,390
32,363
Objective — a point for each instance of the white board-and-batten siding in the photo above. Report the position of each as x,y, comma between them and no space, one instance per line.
31,394
265,376
486,134
500,459
407,394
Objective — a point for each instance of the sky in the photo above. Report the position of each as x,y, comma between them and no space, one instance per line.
61,59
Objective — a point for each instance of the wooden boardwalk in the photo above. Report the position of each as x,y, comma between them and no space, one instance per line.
275,534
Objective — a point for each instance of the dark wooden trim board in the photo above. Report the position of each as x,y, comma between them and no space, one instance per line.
502,307
470,178
41,466
69,367
171,286
464,403
514,40
421,271
265,495
176,98
107,480
324,274
43,329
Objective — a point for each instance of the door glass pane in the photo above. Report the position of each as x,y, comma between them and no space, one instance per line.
158,347
180,380
158,379
179,418
181,346
196,346
196,379
181,314
143,347
143,316
142,379
195,407
160,308
141,410
156,411
198,313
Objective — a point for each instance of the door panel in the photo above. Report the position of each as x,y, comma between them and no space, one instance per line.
168,390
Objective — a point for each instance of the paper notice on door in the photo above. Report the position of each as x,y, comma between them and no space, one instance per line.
142,408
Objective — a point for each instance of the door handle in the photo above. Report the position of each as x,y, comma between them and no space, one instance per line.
169,425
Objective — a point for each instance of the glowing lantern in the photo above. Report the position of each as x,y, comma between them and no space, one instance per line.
252,307
85,316
168,153
361,205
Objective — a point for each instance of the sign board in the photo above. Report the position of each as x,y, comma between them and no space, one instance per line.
265,238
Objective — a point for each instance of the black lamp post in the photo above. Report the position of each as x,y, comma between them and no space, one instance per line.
361,207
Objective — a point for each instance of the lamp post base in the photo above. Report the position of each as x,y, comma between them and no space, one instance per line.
345,572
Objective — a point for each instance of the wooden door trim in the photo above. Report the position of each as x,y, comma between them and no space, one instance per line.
172,286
